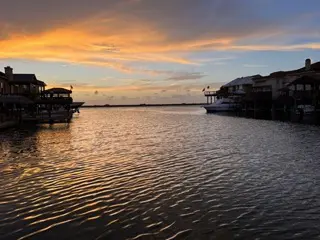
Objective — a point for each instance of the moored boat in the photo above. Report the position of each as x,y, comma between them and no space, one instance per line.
221,105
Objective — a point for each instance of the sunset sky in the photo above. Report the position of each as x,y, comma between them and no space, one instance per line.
155,51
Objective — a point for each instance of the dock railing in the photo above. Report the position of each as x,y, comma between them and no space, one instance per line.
210,93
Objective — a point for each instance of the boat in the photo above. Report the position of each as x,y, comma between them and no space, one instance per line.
75,106
54,106
221,105
305,109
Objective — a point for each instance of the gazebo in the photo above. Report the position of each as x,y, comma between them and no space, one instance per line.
56,96
57,92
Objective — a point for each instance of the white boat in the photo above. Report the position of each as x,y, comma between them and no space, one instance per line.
306,109
221,105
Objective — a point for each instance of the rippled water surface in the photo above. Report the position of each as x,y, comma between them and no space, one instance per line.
160,173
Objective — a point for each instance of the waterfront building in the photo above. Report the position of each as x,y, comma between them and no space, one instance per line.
4,85
10,105
230,95
283,95
240,86
23,98
24,84
237,88
269,87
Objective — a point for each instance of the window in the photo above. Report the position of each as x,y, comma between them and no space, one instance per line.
299,87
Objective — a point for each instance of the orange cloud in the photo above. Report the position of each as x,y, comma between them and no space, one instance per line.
111,42
86,43
102,42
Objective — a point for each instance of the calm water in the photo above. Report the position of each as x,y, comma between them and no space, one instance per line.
160,173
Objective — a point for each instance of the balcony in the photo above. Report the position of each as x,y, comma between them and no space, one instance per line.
210,93
303,94
54,100
308,96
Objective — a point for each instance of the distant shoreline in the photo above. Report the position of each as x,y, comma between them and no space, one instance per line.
142,105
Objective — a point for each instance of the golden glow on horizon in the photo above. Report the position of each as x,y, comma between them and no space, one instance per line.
120,90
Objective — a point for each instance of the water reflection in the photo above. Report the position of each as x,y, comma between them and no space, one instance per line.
160,173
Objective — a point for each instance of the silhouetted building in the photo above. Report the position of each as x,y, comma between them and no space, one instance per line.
273,83
240,86
4,85
23,84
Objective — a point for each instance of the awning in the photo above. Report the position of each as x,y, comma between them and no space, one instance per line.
15,99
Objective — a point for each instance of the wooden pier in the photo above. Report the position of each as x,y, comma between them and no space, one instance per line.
49,118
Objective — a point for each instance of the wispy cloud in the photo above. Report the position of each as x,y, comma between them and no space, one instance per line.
169,43
79,46
255,65
186,76
217,60
116,34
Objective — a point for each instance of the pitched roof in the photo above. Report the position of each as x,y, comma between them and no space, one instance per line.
26,79
2,75
305,80
313,67
41,83
241,81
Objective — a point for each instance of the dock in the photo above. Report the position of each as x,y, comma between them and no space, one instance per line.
45,118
